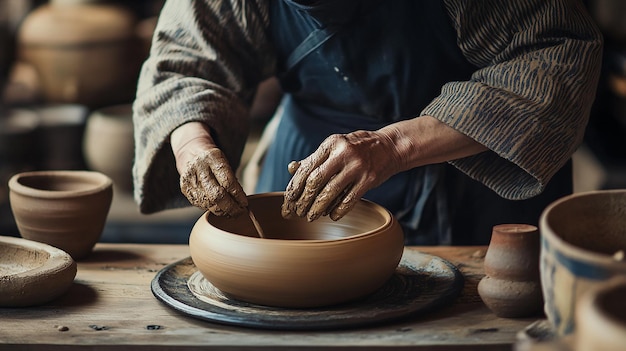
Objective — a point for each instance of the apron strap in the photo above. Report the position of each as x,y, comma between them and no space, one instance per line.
313,41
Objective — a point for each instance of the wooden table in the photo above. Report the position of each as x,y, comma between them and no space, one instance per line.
111,307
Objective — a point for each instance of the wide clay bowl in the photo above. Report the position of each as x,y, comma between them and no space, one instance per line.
66,209
298,264
583,239
32,273
601,317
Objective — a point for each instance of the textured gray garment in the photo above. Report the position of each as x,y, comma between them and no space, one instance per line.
528,103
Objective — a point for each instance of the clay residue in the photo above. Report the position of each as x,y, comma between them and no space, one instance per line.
15,260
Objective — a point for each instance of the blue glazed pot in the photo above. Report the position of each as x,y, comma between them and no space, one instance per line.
582,236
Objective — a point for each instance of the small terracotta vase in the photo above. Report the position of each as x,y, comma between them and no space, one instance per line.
65,209
511,287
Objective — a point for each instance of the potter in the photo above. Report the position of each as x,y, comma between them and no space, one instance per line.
434,126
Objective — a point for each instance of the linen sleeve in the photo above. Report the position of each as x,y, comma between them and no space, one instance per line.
530,100
206,60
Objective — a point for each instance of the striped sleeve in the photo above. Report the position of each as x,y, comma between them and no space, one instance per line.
530,100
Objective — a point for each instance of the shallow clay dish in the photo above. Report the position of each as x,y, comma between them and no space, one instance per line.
298,264
32,273
582,238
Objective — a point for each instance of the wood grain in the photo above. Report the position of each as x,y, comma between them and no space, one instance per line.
111,307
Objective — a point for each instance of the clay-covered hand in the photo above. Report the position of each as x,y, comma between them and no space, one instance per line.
207,179
335,177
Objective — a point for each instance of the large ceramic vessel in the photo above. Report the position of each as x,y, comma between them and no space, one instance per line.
582,236
84,52
65,209
299,264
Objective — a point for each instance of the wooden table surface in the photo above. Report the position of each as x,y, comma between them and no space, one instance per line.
111,307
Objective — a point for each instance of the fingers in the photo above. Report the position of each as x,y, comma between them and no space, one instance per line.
323,183
209,183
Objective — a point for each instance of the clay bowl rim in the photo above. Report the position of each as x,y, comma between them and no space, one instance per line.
102,183
594,301
572,250
386,214
56,260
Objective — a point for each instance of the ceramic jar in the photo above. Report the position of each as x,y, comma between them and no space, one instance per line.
84,52
299,264
511,287
583,243
65,209
108,144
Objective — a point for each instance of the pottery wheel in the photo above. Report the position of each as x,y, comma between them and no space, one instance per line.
421,283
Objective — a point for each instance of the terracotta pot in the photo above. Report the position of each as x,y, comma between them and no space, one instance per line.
65,209
601,317
32,273
84,53
299,264
581,235
108,145
511,287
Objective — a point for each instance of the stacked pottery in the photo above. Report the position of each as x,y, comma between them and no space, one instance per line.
61,135
511,287
84,52
108,144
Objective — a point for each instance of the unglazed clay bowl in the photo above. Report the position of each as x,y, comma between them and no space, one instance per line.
298,264
601,317
66,209
583,239
32,273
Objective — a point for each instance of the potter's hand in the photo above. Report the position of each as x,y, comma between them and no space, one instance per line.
335,177
207,180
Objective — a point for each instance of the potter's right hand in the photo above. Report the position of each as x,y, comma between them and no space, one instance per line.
207,179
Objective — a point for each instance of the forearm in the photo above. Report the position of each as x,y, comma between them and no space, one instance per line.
425,140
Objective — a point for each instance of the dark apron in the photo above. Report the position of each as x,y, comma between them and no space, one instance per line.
361,65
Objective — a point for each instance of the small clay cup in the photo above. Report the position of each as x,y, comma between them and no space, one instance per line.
582,236
65,209
299,264
601,317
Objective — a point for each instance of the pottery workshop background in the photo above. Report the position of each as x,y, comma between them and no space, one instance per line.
68,74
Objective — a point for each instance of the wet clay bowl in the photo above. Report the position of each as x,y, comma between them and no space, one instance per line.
32,273
601,317
65,209
298,264
583,238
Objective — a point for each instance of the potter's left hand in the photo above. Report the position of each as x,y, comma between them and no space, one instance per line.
332,179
